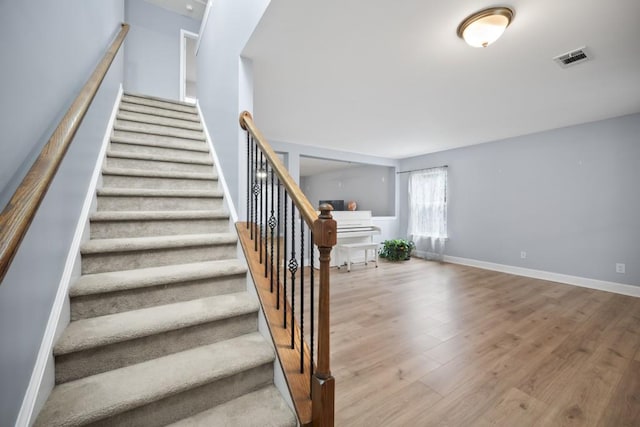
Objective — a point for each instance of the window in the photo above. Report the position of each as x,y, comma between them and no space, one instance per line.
428,209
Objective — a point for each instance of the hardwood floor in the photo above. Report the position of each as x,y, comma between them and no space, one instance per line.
422,343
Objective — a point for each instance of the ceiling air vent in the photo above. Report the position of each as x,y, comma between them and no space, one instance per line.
574,57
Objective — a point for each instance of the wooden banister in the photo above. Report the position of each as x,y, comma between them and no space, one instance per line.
17,216
305,207
323,227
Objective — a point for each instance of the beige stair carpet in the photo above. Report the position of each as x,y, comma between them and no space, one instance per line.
162,328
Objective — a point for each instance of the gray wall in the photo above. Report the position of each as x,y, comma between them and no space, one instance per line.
372,187
568,197
152,51
223,80
49,48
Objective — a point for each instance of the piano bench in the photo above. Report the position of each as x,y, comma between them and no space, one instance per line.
349,248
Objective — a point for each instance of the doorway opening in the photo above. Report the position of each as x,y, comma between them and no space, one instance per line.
188,66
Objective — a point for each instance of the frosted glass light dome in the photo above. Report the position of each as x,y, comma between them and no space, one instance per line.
485,27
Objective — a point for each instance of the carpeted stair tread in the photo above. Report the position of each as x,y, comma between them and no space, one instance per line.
103,395
159,103
154,192
136,244
151,141
157,215
115,281
160,112
157,157
158,173
162,327
262,408
113,328
150,129
162,121
158,98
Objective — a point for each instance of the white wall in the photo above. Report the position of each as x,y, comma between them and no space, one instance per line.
224,84
568,197
49,49
152,51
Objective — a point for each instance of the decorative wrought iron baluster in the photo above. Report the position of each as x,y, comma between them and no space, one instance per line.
265,215
278,255
248,177
311,301
272,225
260,216
284,252
253,185
256,191
301,294
293,267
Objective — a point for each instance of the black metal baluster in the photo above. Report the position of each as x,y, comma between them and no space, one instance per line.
284,252
293,267
272,225
311,302
278,255
248,176
253,183
301,294
256,190
266,212
261,178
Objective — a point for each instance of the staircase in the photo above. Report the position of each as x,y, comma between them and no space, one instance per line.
162,328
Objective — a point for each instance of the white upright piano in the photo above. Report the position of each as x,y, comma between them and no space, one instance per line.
353,227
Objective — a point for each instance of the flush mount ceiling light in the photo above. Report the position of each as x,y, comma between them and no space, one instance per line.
485,27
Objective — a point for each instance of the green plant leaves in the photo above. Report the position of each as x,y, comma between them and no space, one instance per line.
397,249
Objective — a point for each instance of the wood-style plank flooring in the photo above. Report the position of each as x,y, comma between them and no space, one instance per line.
421,343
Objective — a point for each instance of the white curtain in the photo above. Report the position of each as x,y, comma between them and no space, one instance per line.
428,211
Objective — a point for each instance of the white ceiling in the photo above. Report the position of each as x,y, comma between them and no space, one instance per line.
391,78
180,6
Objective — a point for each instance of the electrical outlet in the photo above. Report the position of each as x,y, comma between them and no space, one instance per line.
620,268
523,254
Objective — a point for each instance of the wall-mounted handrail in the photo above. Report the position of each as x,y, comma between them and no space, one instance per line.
17,216
275,247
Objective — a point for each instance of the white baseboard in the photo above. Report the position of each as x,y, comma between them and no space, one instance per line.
427,255
601,285
43,363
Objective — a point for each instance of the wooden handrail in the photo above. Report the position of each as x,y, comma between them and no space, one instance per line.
21,209
307,210
324,238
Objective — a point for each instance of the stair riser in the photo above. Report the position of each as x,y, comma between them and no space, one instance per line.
120,203
105,262
136,108
159,104
161,151
161,121
114,229
147,128
191,402
121,181
81,364
118,162
116,302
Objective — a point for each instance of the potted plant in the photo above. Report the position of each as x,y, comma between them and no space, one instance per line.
397,249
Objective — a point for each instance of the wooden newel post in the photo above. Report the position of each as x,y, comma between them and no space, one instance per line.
323,384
